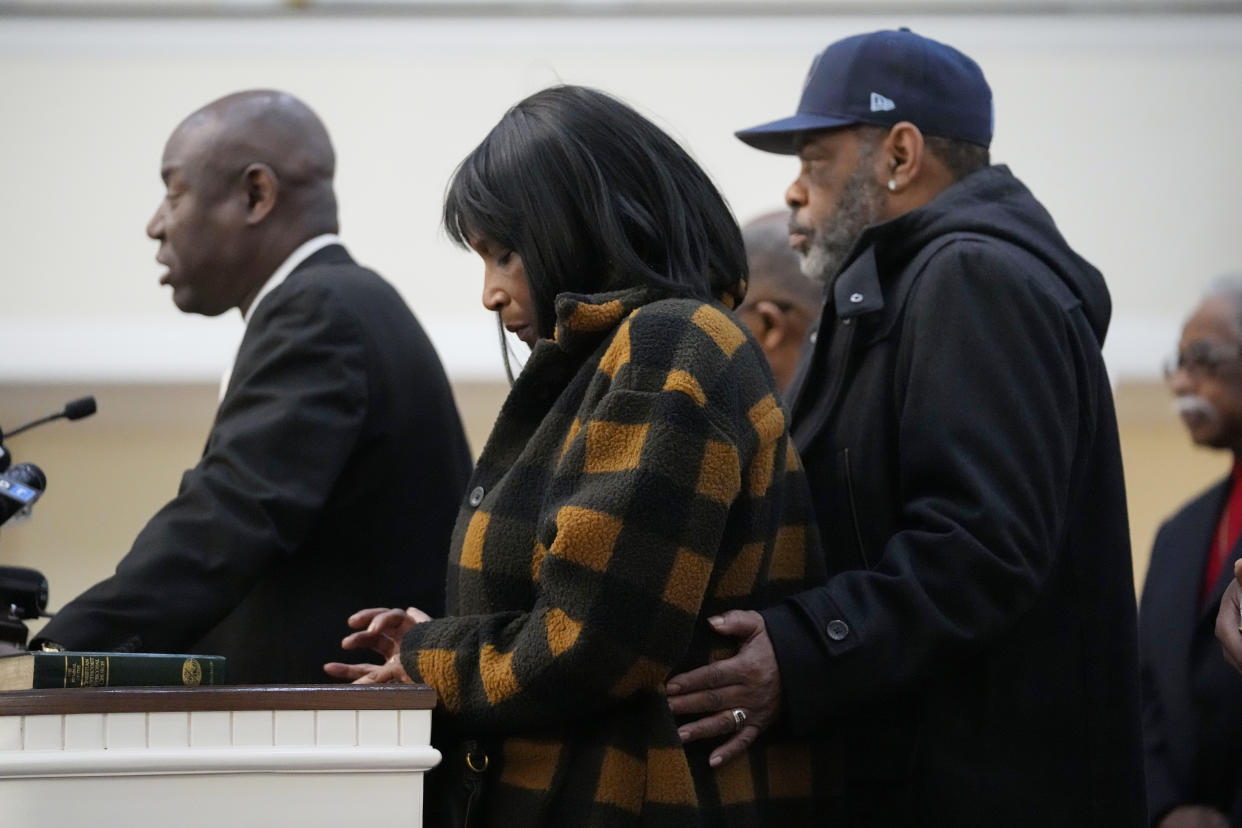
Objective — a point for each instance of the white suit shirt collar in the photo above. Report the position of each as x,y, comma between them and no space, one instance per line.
301,254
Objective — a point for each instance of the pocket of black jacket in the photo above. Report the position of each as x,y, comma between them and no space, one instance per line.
846,494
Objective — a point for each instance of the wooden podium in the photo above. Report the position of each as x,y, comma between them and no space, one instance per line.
275,755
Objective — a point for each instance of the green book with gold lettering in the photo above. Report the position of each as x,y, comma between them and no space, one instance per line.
43,670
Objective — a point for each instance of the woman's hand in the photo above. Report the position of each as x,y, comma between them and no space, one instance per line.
390,672
380,630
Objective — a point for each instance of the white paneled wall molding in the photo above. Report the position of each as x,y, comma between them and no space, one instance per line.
246,756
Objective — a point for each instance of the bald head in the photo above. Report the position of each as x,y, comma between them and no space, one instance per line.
781,304
274,129
249,179
1228,286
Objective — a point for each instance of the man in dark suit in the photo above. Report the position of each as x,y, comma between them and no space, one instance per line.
973,653
1192,699
336,463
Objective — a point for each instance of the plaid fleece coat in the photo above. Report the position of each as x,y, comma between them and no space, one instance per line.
639,479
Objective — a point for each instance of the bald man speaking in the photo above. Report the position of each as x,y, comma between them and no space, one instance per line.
333,471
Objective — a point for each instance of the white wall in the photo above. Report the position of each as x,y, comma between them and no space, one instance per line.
1126,127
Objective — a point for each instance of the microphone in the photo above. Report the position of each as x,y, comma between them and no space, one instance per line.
23,590
20,487
73,410
77,409
23,594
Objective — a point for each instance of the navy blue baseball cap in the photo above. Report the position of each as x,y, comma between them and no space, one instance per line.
882,78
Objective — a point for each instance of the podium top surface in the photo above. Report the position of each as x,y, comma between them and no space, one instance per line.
224,697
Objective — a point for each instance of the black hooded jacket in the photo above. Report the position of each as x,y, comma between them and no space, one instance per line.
974,649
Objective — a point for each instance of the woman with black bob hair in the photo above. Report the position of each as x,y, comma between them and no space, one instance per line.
596,198
638,481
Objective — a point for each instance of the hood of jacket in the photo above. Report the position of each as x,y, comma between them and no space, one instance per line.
992,202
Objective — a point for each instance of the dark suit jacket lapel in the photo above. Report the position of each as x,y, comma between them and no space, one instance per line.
1175,579
333,254
1184,576
1226,574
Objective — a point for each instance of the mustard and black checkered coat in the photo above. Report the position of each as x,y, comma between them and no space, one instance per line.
639,479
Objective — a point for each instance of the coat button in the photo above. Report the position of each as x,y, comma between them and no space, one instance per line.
838,629
476,496
855,298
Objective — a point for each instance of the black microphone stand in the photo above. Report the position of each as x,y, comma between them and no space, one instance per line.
23,591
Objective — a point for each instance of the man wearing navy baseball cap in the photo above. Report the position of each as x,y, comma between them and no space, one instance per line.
973,653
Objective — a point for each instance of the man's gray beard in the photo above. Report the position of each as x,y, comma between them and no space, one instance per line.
858,207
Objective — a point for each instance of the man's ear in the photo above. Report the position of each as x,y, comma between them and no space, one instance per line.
901,156
262,188
773,326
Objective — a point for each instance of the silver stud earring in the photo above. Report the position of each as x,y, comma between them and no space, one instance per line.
892,185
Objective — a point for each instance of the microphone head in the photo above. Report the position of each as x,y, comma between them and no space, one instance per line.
28,474
20,487
77,409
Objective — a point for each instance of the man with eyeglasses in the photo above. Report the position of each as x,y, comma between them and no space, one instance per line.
1192,700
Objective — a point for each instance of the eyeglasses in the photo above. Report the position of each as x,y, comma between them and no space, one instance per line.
1201,359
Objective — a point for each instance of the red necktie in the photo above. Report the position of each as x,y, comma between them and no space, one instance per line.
1226,537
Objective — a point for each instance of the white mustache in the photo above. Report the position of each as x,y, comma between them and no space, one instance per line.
1194,404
